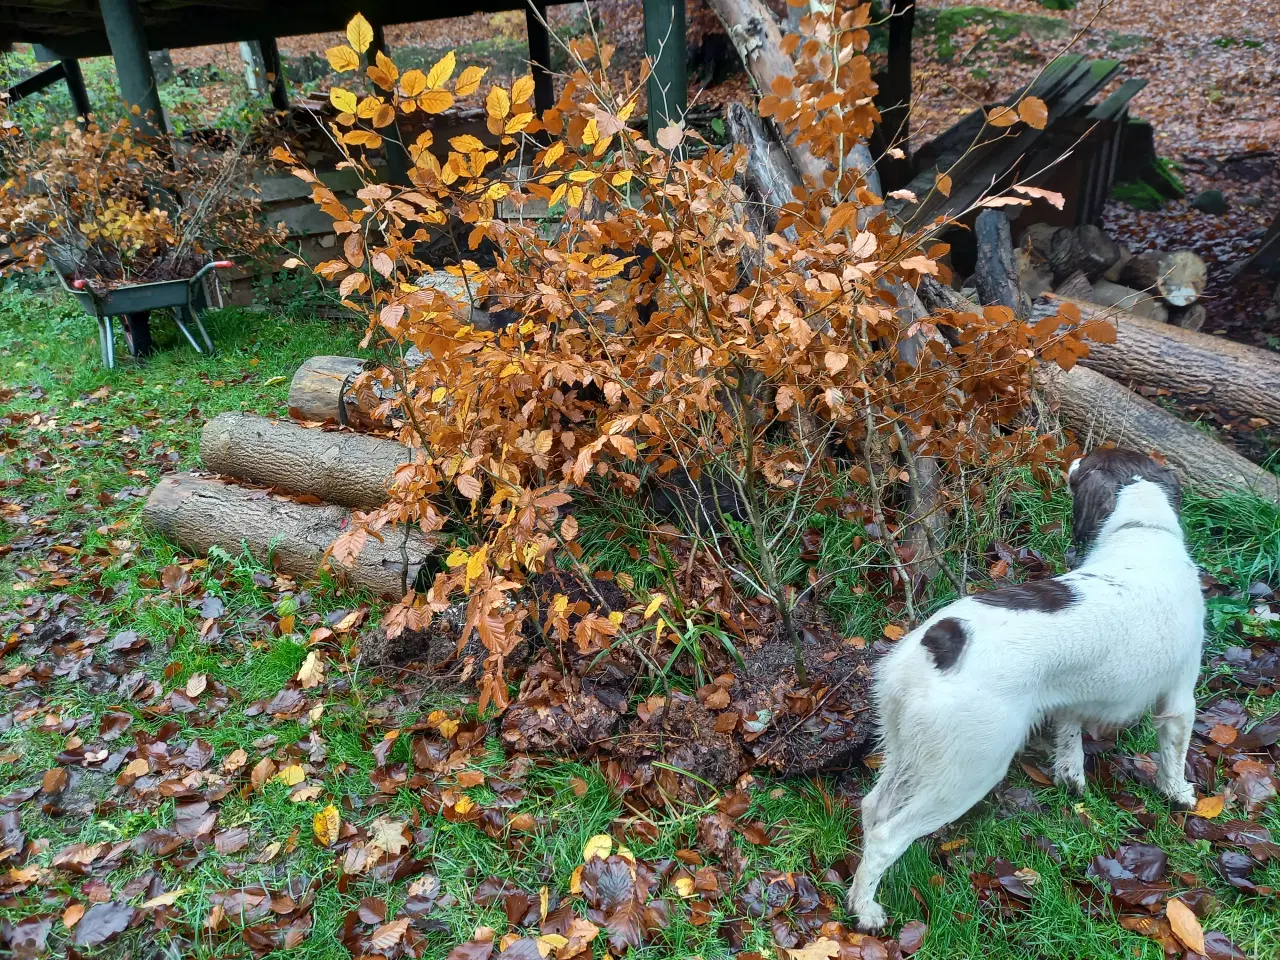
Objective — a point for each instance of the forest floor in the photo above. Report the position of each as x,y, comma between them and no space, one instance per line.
197,760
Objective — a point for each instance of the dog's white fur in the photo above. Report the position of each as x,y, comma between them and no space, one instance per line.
1130,643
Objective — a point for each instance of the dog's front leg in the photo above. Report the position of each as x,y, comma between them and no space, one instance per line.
1173,726
1068,755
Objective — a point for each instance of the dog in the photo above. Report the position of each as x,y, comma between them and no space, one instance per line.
1115,637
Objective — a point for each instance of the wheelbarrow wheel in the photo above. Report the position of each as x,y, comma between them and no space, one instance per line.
137,333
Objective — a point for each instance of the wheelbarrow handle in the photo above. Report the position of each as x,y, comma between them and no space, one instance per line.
79,284
213,265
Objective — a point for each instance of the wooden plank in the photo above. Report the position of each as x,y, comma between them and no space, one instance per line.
37,82
276,187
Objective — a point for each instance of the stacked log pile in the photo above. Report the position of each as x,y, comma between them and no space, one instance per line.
1083,263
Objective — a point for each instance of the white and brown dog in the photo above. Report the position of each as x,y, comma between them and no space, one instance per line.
1117,636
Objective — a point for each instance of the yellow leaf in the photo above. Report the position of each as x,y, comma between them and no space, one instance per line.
522,89
343,100
165,899
326,825
388,69
312,672
684,886
457,557
583,176
342,58
1209,807
385,115
823,949
1185,926
362,138
469,81
1002,117
655,603
359,33
440,73
598,846
498,103
438,394
557,195
518,122
574,196
464,805
621,178
466,143
575,881
367,107
1033,112
292,775
435,101
554,153
448,728
413,83
475,566
498,191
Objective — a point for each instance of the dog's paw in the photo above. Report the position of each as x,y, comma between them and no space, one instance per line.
872,917
1072,783
1181,796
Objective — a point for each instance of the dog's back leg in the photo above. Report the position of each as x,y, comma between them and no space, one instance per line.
923,796
1068,755
1177,713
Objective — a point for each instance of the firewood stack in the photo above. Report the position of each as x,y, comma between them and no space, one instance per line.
1083,263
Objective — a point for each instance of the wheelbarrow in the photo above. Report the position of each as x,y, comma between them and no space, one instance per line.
135,303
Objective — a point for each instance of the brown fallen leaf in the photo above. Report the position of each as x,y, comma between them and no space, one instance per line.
1186,927
823,949
1210,807
54,780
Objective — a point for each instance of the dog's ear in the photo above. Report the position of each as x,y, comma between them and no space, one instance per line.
1093,498
1167,480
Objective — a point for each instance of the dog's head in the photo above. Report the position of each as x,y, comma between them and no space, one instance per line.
1096,480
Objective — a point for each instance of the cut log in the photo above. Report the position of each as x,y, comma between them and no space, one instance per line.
351,469
1097,409
1189,318
1179,277
1182,278
1108,294
321,393
1116,269
1098,251
200,513
1038,238
1240,378
1076,286
1065,255
996,276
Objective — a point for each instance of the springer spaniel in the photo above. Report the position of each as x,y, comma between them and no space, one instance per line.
1117,636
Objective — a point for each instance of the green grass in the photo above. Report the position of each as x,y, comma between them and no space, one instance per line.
945,21
105,435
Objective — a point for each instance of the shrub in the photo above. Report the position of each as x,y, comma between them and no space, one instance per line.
666,328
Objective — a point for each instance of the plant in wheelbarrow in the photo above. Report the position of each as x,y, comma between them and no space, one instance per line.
130,224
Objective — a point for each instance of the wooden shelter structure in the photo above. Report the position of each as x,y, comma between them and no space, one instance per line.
66,31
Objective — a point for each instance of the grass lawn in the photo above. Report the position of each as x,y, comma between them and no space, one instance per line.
142,693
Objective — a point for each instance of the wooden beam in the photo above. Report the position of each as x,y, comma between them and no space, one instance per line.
36,82
123,22
665,44
275,73
894,98
76,87
535,18
393,150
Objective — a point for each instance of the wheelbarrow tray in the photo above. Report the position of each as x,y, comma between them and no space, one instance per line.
135,298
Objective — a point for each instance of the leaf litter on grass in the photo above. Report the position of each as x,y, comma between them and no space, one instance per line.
198,758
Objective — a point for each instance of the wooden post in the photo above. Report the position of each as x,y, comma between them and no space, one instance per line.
393,150
275,73
535,18
665,43
894,99
76,87
128,41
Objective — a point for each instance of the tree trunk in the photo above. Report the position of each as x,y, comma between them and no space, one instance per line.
199,514
1108,294
321,393
755,34
996,276
1098,409
1243,379
351,469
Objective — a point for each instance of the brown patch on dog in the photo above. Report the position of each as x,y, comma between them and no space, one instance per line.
945,641
1044,596
1098,480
